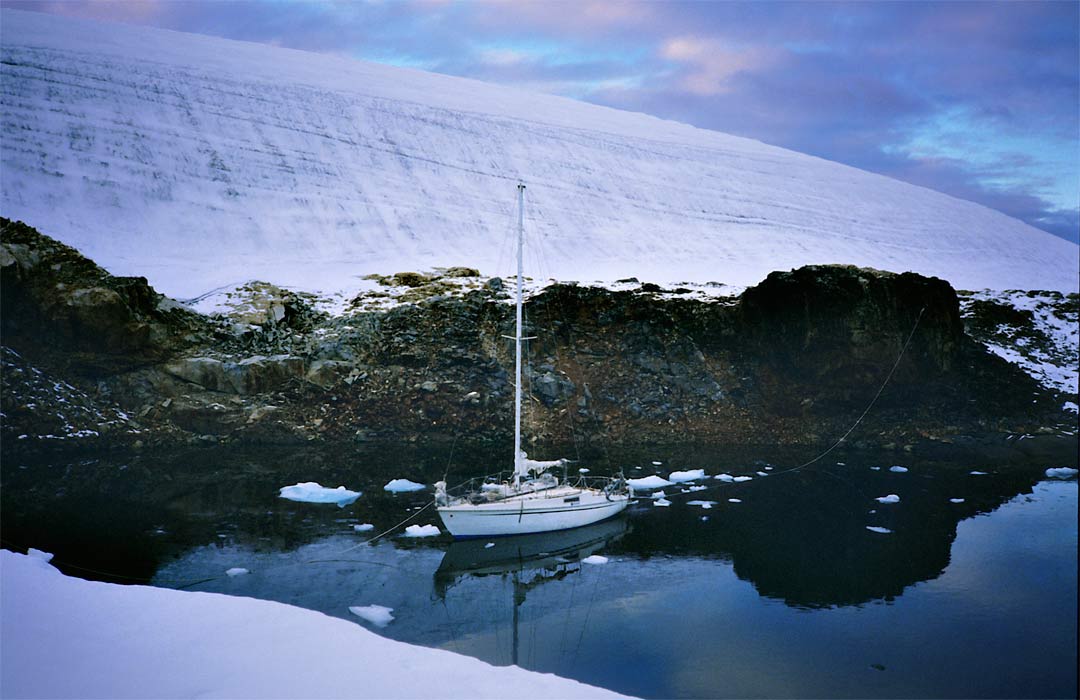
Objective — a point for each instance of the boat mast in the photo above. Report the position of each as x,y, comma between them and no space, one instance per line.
519,462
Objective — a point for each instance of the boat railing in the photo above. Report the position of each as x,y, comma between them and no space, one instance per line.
499,485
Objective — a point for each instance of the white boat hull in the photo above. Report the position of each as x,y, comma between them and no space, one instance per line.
523,516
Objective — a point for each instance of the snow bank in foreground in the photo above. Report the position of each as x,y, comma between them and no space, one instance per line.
1061,473
69,638
311,492
403,486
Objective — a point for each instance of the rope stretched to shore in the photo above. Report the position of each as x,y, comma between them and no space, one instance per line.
850,430
384,532
869,405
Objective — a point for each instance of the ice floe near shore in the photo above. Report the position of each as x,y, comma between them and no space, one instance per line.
648,482
312,492
403,486
1061,473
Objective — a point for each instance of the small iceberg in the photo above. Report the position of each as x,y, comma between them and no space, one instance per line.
489,545
697,488
363,528
734,500
663,502
728,478
690,475
403,486
236,571
648,482
956,500
762,473
658,495
977,473
378,615
311,492
1061,473
422,531
704,504
657,464
879,530
891,498
897,469
583,470
740,479
595,559
875,469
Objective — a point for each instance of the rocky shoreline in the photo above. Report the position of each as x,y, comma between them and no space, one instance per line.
91,360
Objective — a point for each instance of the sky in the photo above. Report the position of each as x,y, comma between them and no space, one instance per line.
977,100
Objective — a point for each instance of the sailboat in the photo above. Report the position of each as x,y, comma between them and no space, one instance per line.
534,499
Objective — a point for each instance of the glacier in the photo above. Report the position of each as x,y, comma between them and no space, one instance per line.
200,163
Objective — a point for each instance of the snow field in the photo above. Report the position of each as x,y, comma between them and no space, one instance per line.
69,638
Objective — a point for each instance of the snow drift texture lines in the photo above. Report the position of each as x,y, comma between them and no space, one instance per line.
199,162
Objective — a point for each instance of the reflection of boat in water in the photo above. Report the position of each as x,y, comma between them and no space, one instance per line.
532,560
546,551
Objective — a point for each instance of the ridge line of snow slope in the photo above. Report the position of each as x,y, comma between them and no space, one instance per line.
66,637
196,161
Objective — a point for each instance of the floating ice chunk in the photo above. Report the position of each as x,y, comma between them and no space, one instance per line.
891,498
875,469
956,500
704,504
977,473
378,615
403,486
657,495
421,531
740,479
725,477
489,545
690,475
897,469
697,488
879,530
648,482
363,528
768,469
236,571
38,554
311,492
734,500
595,559
657,464
762,473
583,470
663,502
704,518
1061,472
840,464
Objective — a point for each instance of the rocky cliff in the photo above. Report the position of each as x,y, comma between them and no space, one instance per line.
92,358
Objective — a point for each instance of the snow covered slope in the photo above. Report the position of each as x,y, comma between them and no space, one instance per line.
200,162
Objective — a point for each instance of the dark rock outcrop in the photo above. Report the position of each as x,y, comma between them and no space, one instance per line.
794,360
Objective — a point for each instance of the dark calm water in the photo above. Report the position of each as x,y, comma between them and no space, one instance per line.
784,594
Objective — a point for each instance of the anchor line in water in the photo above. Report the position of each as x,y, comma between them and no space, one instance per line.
854,425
